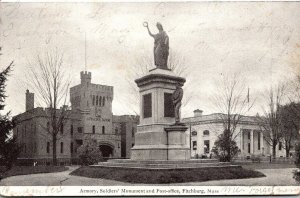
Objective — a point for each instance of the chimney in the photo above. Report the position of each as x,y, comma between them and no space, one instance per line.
29,100
198,113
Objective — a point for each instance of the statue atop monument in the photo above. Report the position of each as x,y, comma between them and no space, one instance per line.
161,46
177,97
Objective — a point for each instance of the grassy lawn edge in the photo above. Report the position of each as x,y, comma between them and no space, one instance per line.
27,170
164,176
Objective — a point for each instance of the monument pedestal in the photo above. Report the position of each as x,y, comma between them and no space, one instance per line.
177,149
156,138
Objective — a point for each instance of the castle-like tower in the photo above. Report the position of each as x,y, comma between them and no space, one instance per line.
92,105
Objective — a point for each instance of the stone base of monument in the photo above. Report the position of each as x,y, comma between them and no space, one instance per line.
161,142
164,164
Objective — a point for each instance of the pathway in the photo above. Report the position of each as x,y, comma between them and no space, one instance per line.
282,176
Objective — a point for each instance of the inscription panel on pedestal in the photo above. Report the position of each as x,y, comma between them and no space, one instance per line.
147,105
168,105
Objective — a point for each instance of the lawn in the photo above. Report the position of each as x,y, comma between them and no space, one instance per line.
162,176
254,166
26,170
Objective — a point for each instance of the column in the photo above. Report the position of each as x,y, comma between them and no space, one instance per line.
242,141
262,143
251,142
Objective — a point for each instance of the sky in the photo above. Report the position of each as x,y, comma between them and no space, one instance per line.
259,41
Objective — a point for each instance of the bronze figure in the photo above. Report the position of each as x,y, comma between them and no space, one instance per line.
161,46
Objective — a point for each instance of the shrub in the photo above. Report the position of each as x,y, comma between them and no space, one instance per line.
89,153
10,151
297,163
255,158
225,147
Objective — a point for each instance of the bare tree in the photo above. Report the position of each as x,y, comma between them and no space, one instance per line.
289,122
270,122
232,101
50,82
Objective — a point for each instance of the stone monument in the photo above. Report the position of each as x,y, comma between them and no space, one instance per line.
160,135
161,140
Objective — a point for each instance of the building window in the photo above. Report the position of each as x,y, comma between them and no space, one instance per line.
206,132
249,148
116,130
48,147
258,141
93,100
280,146
62,128
103,129
249,135
132,131
206,146
79,129
194,145
97,101
48,126
61,147
103,102
71,147
94,130
71,130
194,133
100,101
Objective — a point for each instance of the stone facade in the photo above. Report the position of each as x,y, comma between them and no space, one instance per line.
204,131
126,125
90,117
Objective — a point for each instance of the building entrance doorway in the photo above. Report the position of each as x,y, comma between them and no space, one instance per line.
106,150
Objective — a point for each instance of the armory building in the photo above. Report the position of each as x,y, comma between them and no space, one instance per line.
89,118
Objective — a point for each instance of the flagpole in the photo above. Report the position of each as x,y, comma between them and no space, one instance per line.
248,97
85,51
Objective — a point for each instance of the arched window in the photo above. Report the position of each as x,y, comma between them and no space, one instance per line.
194,133
206,132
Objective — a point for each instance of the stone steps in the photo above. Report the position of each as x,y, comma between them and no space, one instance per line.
164,165
202,161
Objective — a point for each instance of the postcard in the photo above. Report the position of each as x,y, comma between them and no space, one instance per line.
160,98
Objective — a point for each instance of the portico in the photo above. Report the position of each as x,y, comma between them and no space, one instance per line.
252,142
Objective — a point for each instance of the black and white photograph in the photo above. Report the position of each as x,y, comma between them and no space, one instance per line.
152,98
